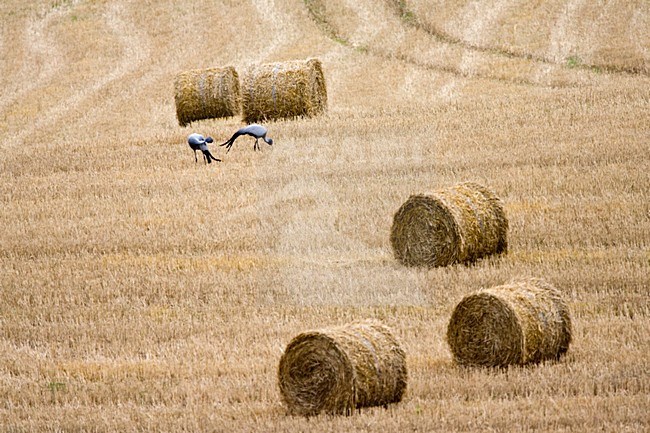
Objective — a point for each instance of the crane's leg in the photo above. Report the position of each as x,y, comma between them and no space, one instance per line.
195,159
256,146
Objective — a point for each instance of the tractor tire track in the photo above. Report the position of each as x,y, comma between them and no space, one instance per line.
557,44
636,33
273,14
410,18
136,49
470,63
132,57
42,57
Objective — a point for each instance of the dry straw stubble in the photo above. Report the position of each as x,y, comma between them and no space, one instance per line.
283,90
460,224
524,321
206,94
339,369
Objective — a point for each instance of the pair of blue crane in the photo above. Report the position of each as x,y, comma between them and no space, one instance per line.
198,142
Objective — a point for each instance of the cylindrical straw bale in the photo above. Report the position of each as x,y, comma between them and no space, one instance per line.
336,370
206,93
283,90
524,321
460,224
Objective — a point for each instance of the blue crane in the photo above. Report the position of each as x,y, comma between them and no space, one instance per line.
198,142
254,130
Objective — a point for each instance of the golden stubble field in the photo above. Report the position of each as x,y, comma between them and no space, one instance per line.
143,292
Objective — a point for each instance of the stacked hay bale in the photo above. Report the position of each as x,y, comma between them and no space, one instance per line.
524,321
336,370
283,90
457,225
206,93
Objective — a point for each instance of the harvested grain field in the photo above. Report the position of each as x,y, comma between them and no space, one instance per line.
141,291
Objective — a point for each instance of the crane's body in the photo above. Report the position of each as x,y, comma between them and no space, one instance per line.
198,142
254,130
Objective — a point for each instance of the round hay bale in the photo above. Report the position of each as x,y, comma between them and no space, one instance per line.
524,321
460,224
206,94
283,90
336,370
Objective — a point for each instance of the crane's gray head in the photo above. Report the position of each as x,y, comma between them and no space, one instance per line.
269,141
209,140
